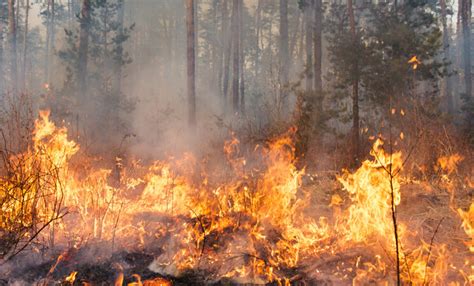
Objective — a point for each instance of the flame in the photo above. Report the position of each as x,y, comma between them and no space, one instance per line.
250,220
414,62
149,282
449,163
468,224
71,277
370,192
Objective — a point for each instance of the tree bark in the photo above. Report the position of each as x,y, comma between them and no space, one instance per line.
241,57
222,46
308,10
258,16
12,38
53,36
294,40
284,54
235,55
318,55
466,28
48,41
355,88
2,69
25,46
83,47
301,44
191,65
214,50
447,79
227,51
119,56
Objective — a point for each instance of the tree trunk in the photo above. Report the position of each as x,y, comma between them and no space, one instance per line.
258,15
241,57
235,55
284,54
227,51
308,9
25,46
305,101
222,46
48,41
355,89
191,66
214,51
466,28
301,44
318,57
119,56
53,37
318,14
2,69
83,47
294,40
447,79
12,36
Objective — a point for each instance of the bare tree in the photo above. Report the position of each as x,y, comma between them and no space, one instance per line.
191,65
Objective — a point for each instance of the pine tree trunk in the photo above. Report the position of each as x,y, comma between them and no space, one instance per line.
305,101
301,48
355,89
227,51
53,37
12,36
25,46
214,50
241,57
308,10
318,55
284,54
83,47
191,83
2,69
258,15
466,28
294,40
447,79
48,41
235,55
119,55
222,47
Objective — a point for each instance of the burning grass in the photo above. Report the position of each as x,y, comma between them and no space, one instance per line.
256,219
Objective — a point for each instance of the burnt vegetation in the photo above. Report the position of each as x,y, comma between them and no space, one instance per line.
236,142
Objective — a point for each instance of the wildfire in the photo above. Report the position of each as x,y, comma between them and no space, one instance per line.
253,223
370,188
